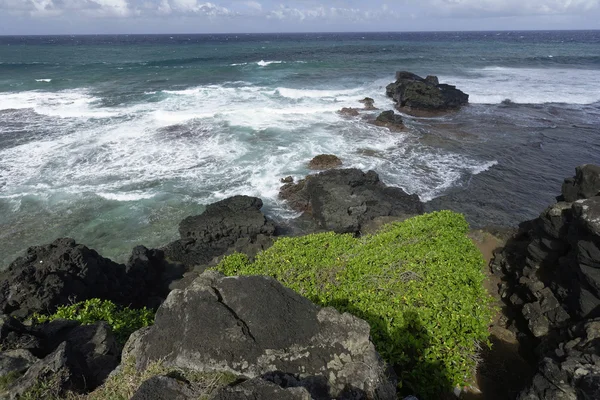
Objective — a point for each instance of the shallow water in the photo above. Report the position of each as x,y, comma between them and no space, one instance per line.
113,140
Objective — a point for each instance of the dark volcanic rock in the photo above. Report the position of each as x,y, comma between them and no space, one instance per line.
572,370
55,274
369,103
15,361
390,120
585,183
218,229
259,389
252,326
163,388
62,371
342,200
415,93
325,161
552,280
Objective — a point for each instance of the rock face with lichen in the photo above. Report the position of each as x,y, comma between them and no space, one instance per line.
412,92
255,327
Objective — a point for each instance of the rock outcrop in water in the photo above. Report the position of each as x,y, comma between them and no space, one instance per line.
325,161
551,270
344,200
256,328
413,93
391,120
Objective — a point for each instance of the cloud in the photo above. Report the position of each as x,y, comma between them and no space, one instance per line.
507,8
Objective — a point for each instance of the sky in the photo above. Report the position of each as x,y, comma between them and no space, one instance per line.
35,17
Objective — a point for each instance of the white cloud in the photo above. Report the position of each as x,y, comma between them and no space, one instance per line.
486,8
253,5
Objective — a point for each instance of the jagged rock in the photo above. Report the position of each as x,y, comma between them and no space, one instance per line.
163,388
252,326
324,161
14,336
15,361
215,231
287,179
415,93
572,371
259,389
585,183
56,274
342,200
62,371
369,103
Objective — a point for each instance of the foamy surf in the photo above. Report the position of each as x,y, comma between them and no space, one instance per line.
492,85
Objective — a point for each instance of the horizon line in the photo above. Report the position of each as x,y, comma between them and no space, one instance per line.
300,32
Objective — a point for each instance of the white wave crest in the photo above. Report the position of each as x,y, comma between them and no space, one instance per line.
44,80
492,85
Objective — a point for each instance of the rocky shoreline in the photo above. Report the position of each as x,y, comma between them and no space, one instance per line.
250,337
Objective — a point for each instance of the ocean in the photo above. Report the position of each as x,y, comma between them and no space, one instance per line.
113,140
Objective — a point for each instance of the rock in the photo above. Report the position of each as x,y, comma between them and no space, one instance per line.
287,179
215,231
151,276
349,112
259,389
586,214
584,185
412,92
572,371
15,361
369,103
253,326
163,388
390,120
60,372
16,336
57,274
324,161
342,200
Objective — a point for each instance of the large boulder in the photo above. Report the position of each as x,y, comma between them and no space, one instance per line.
253,326
56,274
260,389
343,200
411,92
236,220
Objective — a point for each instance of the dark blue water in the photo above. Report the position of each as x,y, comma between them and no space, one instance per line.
113,140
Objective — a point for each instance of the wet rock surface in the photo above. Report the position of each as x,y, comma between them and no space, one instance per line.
231,324
343,200
324,161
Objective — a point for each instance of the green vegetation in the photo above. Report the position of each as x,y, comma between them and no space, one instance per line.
8,379
418,283
123,320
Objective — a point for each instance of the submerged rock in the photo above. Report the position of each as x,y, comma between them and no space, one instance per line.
369,103
253,326
411,92
350,112
323,162
344,199
390,120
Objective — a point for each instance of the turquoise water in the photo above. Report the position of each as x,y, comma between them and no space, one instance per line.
113,140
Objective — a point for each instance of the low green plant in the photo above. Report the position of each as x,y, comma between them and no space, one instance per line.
418,283
123,320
